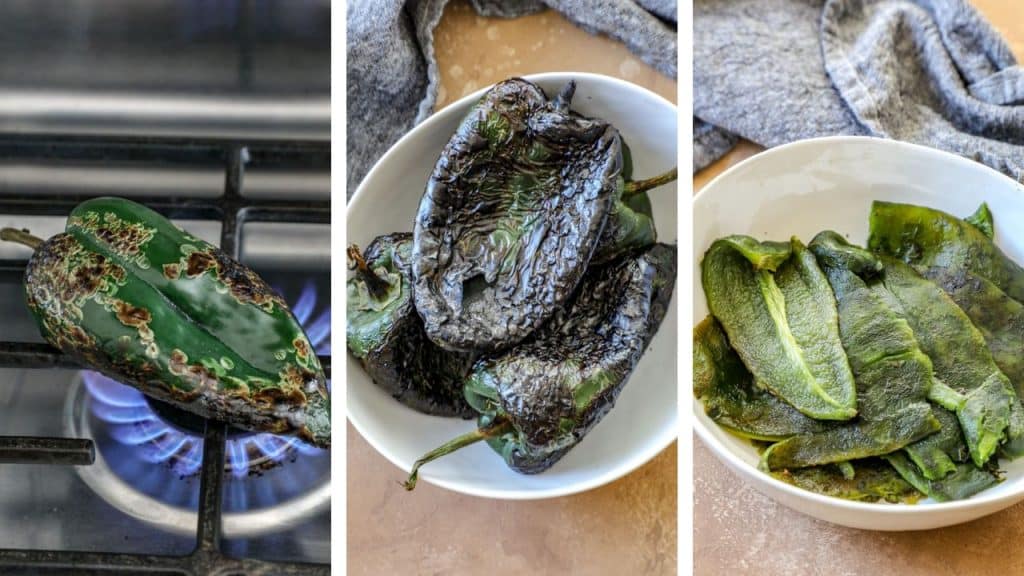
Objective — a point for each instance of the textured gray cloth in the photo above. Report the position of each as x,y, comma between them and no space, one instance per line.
709,144
392,74
931,72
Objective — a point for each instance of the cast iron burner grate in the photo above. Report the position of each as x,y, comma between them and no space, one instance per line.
232,209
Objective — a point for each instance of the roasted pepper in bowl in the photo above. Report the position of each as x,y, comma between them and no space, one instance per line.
127,293
538,400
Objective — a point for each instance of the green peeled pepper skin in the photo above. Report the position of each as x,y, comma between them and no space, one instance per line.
868,480
948,263
386,334
777,308
965,481
925,238
540,399
959,355
730,396
125,292
853,441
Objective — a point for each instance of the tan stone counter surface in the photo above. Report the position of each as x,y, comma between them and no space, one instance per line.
627,527
738,531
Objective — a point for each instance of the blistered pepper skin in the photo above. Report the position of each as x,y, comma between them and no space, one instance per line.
557,386
386,335
511,216
127,293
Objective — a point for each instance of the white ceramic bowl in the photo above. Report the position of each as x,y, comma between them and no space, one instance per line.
829,183
645,418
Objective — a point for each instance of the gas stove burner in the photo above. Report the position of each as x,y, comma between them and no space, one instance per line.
149,454
163,434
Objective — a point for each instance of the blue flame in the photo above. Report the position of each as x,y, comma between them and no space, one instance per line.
133,423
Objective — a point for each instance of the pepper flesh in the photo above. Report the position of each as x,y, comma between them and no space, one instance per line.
386,334
127,293
959,356
943,249
779,313
731,397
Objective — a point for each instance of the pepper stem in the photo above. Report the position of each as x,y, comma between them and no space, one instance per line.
20,237
496,428
377,286
638,186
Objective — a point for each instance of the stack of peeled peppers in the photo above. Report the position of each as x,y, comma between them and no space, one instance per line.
531,284
127,293
886,373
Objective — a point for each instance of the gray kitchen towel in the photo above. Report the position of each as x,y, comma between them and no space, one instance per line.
932,72
392,76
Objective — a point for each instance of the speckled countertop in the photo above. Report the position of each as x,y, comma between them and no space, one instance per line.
627,527
738,531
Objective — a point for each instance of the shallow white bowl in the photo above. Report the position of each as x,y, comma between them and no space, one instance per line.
645,418
828,183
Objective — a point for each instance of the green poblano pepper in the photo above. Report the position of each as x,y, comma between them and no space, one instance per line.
983,396
538,400
892,375
868,480
127,293
731,397
386,334
888,365
777,308
925,238
965,481
943,249
512,214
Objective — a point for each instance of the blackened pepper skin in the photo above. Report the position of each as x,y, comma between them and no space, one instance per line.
538,400
511,216
127,293
386,334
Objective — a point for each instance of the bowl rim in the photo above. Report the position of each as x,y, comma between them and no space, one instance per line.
727,455
627,464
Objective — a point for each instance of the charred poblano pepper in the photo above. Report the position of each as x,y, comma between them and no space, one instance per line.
516,207
731,397
127,293
541,398
778,310
952,254
386,334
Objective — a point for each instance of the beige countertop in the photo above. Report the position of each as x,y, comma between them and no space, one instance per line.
738,531
627,527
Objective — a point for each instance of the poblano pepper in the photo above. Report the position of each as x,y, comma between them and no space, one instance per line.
869,480
538,400
893,376
386,334
962,362
522,197
129,294
731,397
778,310
960,256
